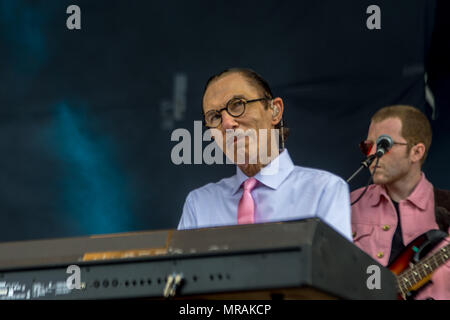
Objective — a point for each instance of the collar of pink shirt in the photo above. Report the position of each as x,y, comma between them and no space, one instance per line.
422,197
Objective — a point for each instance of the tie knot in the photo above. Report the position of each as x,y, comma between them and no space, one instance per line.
249,184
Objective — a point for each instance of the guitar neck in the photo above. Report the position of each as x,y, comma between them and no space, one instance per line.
421,270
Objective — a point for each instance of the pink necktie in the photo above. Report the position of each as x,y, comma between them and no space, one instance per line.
246,207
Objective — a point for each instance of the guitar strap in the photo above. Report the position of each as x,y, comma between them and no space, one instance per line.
442,208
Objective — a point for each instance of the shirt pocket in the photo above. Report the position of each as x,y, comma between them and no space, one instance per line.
363,236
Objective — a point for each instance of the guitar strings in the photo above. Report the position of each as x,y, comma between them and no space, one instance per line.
410,273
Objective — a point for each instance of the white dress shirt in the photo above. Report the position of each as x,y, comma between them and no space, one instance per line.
291,193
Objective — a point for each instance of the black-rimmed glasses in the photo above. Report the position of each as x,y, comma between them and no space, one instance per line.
235,108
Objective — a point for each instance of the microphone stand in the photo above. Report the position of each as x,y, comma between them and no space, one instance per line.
364,164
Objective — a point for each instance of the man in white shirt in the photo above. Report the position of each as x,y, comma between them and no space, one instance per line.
240,99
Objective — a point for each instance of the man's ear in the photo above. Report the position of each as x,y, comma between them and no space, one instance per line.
417,152
277,110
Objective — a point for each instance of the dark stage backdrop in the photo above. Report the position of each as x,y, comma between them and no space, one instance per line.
86,116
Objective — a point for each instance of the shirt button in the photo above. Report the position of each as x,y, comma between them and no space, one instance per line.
380,254
386,227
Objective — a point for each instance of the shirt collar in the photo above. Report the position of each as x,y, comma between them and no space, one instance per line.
271,175
377,193
421,194
419,197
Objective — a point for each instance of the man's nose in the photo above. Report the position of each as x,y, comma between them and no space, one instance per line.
228,122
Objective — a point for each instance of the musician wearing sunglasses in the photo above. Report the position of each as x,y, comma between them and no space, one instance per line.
401,204
240,99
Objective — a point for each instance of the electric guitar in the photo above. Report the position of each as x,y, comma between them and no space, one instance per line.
413,271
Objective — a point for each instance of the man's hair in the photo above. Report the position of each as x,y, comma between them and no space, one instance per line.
415,126
253,78
256,81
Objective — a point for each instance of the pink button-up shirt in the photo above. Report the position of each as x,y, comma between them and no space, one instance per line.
374,221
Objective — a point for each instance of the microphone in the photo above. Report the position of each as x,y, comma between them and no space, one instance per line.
384,144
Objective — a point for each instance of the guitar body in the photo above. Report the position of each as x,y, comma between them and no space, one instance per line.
411,256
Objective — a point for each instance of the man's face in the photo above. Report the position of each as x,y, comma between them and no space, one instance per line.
255,117
395,164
